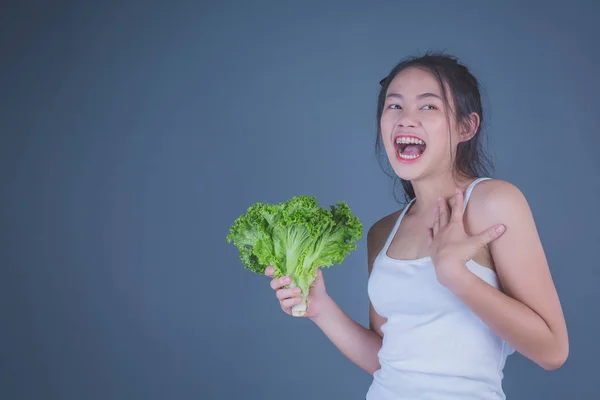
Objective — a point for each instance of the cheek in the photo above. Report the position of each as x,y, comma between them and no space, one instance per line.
437,131
386,122
435,122
438,139
387,145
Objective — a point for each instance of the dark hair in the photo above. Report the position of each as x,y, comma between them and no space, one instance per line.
471,160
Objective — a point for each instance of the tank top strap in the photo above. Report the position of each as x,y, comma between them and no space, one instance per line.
469,190
396,225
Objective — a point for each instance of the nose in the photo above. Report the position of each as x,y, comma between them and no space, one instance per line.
407,124
406,120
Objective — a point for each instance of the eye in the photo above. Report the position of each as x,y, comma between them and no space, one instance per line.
395,105
430,105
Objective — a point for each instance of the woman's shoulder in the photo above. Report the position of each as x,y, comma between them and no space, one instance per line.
379,232
492,198
383,226
494,192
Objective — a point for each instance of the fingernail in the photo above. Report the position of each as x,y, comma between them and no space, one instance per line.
500,228
286,279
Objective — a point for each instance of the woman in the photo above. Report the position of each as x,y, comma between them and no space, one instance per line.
453,289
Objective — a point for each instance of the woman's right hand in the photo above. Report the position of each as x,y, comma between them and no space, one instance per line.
289,297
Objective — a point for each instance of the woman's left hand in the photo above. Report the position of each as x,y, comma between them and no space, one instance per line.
449,244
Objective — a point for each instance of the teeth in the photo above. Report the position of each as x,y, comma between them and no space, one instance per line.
407,140
408,157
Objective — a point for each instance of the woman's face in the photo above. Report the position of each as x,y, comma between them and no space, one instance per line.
414,125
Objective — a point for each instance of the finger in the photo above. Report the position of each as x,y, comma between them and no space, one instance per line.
269,271
489,235
319,275
289,303
429,236
436,220
283,294
280,282
457,207
444,212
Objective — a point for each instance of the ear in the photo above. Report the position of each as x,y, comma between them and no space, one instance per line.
470,126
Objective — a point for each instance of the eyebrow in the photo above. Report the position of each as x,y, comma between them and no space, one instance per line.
421,96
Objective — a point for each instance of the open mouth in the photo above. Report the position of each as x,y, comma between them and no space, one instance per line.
409,148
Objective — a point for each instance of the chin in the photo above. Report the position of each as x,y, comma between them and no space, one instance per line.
411,170
408,173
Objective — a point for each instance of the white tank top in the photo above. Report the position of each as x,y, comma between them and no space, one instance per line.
434,347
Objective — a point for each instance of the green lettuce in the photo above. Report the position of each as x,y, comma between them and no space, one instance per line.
296,237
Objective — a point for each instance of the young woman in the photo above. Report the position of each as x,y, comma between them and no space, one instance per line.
458,279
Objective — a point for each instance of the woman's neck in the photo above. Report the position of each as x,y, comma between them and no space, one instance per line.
427,191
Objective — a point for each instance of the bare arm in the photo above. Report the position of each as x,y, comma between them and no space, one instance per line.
528,314
357,343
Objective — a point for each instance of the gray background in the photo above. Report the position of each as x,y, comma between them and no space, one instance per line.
134,134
